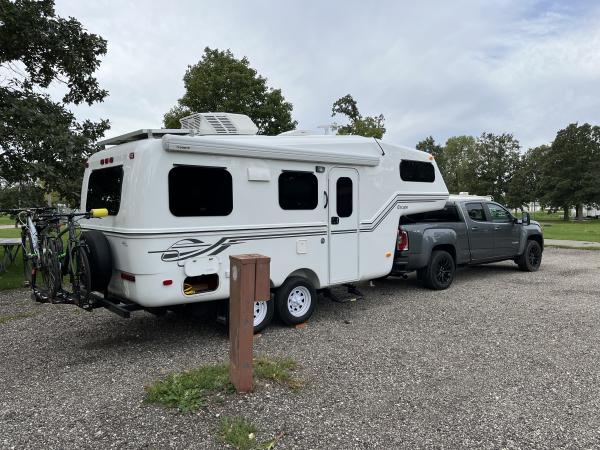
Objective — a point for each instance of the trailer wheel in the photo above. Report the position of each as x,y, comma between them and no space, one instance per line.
439,273
100,259
295,300
531,259
263,315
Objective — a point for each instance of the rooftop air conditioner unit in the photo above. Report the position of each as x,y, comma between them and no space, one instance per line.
218,123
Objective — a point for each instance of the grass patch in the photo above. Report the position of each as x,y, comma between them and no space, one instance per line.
189,390
6,220
9,318
238,432
588,230
278,370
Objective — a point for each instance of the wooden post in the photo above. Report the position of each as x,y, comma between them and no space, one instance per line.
249,283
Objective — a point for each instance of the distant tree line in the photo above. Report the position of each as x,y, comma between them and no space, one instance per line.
560,176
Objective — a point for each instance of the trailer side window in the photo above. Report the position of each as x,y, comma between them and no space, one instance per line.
298,190
343,199
417,171
104,189
200,191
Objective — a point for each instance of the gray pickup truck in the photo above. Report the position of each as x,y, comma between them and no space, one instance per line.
469,230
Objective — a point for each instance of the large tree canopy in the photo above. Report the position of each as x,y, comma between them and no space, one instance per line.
369,126
221,83
40,139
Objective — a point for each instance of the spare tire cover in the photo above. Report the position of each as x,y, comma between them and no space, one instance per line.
100,259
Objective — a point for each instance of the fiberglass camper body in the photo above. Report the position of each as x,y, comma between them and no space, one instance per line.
325,209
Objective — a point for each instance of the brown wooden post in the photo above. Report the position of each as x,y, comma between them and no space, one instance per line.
249,283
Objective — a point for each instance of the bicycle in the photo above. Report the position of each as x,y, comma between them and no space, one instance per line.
74,260
34,234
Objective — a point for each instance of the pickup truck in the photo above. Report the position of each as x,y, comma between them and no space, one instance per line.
469,230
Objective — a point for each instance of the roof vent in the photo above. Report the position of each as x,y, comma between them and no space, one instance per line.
218,123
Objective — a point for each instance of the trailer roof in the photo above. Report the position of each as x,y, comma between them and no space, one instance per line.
137,135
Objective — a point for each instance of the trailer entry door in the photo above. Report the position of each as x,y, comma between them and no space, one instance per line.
343,225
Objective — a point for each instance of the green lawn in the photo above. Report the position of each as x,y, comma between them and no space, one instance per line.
13,278
588,230
6,220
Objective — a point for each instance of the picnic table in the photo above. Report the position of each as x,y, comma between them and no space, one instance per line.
10,248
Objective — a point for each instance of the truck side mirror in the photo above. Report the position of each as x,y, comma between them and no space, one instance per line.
526,220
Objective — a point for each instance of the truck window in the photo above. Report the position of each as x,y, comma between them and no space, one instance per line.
343,199
418,171
200,191
499,214
104,189
298,190
476,212
448,214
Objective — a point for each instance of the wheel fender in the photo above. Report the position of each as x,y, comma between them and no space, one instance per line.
434,237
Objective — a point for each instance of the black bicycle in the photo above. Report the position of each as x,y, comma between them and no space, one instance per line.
67,254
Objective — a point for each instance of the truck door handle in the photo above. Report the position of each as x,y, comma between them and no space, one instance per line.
496,227
335,220
474,228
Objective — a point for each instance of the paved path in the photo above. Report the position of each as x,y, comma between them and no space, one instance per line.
572,244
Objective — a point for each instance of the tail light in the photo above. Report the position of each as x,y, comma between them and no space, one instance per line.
402,242
128,276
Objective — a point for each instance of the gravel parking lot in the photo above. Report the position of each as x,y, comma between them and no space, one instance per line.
501,359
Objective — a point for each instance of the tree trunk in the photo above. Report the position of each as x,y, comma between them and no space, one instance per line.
565,213
579,211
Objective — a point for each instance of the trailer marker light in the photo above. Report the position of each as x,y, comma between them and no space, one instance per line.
102,162
388,254
167,282
128,276
111,159
131,155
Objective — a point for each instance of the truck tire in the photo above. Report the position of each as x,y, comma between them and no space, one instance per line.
295,300
100,259
439,273
531,259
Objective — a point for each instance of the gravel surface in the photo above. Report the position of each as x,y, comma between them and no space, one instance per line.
501,359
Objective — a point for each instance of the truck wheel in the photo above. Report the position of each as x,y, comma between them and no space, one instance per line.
263,314
531,259
295,300
440,272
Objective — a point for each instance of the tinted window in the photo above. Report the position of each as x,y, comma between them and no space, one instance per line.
104,189
498,213
298,190
448,214
343,188
476,212
417,171
200,191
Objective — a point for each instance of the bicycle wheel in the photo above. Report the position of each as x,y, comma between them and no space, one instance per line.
28,259
50,267
82,285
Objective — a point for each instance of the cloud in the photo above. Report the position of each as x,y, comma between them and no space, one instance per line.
433,68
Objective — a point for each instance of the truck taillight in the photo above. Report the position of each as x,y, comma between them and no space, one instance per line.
402,243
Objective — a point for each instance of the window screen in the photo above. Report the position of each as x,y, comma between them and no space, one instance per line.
476,212
417,171
343,199
104,189
298,190
448,214
200,191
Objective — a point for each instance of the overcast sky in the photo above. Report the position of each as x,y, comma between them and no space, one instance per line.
440,68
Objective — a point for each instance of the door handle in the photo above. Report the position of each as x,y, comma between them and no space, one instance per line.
497,227
326,199
335,220
474,228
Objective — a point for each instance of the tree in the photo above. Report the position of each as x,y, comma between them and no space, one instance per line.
369,126
570,169
221,83
525,185
437,151
41,142
459,164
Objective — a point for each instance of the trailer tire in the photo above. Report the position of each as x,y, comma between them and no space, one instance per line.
295,300
263,315
100,259
531,259
439,274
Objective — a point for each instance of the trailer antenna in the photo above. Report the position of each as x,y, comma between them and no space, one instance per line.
382,151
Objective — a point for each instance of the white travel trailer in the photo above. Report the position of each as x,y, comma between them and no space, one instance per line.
324,208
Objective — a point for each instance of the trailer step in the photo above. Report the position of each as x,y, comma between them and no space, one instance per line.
121,307
343,294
